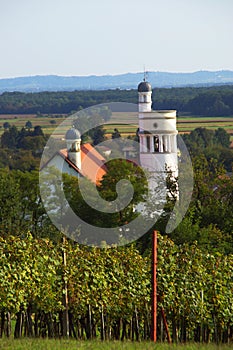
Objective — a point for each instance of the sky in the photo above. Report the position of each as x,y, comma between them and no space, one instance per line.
101,37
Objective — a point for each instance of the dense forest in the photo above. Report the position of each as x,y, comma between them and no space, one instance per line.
208,101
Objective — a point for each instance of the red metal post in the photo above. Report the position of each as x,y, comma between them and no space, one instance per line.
154,287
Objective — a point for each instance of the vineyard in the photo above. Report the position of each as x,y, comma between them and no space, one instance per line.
109,291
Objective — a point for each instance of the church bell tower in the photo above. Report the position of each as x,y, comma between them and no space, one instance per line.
157,135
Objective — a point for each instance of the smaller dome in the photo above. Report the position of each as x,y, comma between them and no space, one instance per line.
144,86
73,134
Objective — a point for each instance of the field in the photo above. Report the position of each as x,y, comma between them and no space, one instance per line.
48,123
185,124
45,344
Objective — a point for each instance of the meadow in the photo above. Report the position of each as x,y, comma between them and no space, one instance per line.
126,124
48,122
63,344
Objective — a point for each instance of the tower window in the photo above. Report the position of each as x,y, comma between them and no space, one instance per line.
155,125
156,144
148,144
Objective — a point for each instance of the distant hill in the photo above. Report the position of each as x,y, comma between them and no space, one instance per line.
122,81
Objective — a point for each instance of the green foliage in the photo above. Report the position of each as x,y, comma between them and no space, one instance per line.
28,124
209,218
21,206
202,138
194,287
6,125
60,102
29,274
107,278
25,138
116,134
20,159
212,102
98,135
186,266
117,170
9,138
214,145
222,137
21,149
217,100
11,214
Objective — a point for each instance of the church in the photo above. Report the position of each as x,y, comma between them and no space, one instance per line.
79,159
157,138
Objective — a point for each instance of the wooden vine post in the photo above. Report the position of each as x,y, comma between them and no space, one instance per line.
65,318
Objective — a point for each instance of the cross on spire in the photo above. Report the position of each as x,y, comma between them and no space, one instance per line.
145,74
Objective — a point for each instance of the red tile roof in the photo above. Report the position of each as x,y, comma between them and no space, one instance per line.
92,163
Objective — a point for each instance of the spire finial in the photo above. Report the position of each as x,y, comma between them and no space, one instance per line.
145,74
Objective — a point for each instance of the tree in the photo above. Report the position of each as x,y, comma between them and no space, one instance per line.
10,203
116,134
28,125
210,211
98,135
222,137
121,169
9,138
34,143
211,144
38,131
117,170
21,206
202,136
23,160
6,125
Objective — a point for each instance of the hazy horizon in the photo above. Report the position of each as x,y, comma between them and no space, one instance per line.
124,73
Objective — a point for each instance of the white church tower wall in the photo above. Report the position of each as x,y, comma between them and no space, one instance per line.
157,133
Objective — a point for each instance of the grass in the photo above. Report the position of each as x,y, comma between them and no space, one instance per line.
19,121
51,344
130,119
187,124
184,123
124,117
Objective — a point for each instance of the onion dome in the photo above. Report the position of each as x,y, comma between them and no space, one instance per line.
73,134
144,86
